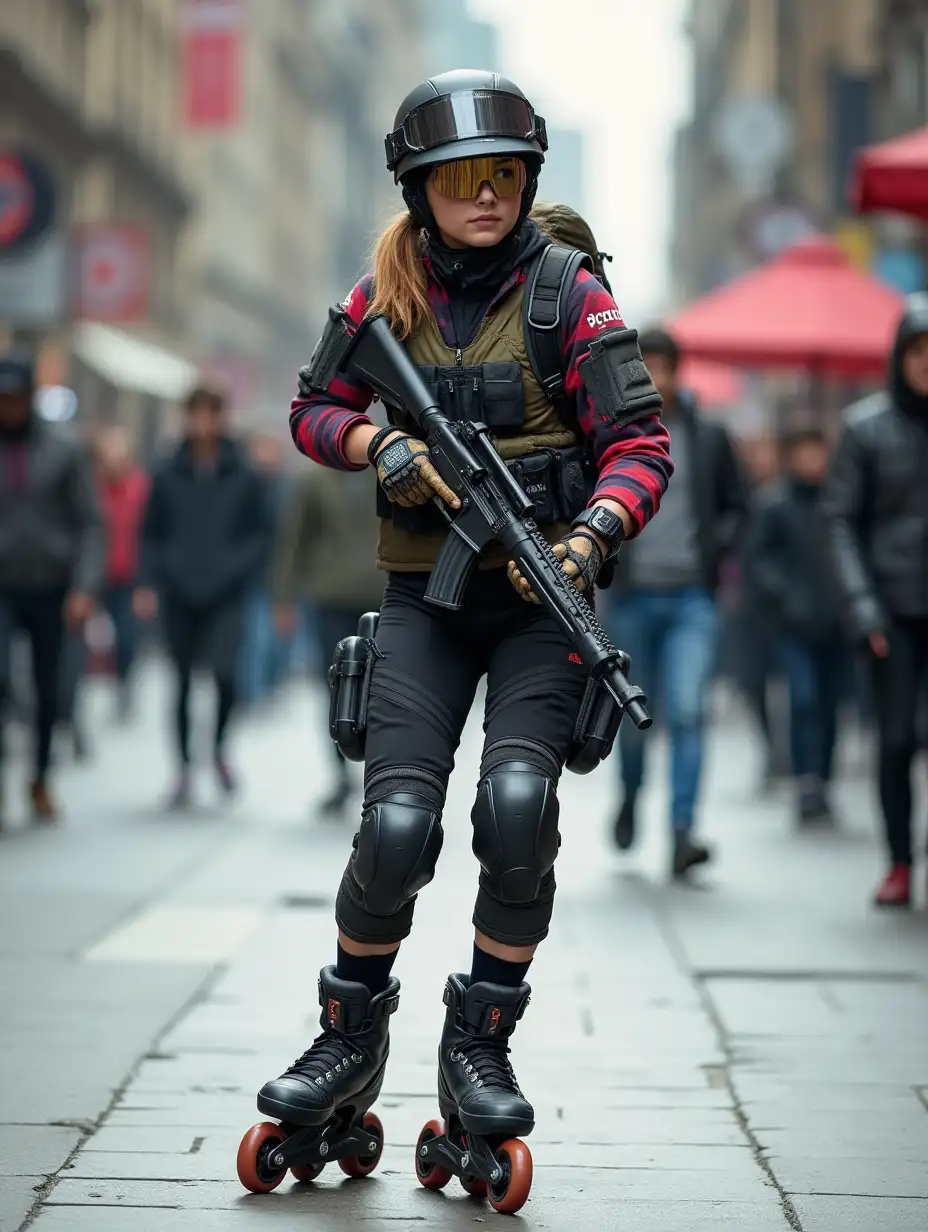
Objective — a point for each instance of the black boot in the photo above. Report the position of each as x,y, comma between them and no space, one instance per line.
624,830
345,1065
688,854
476,1082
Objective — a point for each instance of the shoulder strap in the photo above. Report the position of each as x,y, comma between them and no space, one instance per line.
550,279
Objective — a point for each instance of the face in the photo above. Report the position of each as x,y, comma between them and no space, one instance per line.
114,452
267,453
14,410
664,375
480,220
915,366
205,422
808,460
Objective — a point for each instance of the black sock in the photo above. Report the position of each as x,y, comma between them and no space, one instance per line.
371,970
487,968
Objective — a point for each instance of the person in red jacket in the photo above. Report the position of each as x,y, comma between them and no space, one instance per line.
123,491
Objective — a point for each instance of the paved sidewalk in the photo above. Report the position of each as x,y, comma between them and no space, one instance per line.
750,1055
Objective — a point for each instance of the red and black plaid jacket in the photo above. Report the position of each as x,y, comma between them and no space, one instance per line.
633,462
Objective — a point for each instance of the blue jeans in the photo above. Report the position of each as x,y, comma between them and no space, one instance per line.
265,655
671,636
117,599
817,675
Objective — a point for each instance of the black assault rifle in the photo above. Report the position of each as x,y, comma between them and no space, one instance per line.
494,509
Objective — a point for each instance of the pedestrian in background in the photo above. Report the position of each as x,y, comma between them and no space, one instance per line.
123,488
265,650
877,504
787,555
51,552
326,553
663,609
205,539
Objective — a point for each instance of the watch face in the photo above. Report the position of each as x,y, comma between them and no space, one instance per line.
603,520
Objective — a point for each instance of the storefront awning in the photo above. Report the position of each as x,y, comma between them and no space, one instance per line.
131,364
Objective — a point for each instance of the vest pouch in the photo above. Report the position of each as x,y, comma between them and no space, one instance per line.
573,484
350,688
502,396
596,728
534,473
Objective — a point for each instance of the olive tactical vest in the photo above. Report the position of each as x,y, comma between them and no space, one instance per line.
492,381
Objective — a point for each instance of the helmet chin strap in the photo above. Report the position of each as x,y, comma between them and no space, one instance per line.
417,201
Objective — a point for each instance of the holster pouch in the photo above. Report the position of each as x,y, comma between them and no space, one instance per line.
617,377
597,726
350,687
327,358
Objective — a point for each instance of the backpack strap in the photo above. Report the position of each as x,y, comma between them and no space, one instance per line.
550,279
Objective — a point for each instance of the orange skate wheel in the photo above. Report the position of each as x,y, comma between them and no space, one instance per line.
510,1193
254,1151
364,1165
432,1176
474,1186
306,1172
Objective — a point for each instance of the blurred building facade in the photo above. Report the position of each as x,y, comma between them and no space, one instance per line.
783,93
214,242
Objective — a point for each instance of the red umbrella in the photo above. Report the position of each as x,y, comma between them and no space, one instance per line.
893,176
809,308
713,384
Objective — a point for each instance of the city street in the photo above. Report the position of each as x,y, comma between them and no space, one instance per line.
748,1055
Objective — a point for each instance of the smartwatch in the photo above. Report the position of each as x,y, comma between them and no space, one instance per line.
606,524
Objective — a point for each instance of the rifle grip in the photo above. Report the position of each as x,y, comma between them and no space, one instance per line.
451,572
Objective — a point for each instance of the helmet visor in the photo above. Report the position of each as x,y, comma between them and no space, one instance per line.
461,179
468,114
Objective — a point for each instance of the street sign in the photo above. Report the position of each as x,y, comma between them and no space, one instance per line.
753,136
33,283
27,200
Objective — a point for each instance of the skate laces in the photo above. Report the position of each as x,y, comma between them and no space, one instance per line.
489,1060
328,1051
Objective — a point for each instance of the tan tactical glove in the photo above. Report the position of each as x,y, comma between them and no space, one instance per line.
581,559
406,473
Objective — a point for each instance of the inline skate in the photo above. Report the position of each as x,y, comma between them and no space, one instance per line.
483,1109
322,1101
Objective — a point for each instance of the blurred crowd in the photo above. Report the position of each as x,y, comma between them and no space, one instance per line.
798,570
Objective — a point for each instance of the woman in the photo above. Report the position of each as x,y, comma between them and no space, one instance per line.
449,273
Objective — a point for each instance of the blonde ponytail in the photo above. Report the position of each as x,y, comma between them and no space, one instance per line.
399,277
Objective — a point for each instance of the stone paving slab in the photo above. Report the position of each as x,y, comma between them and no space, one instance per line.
891,1178
454,1214
17,1198
829,1214
35,1150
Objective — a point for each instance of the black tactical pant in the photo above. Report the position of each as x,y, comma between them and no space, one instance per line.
422,691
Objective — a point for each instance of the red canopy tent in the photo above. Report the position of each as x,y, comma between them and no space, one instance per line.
713,384
893,176
808,309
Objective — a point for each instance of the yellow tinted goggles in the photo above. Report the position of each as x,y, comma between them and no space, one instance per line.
461,180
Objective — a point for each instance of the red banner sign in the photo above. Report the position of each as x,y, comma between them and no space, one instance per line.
113,272
212,63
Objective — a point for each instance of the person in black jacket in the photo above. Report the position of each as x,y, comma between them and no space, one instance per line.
206,537
664,613
877,505
786,553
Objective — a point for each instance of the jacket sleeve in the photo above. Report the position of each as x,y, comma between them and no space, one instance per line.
320,422
765,569
842,507
295,541
85,510
153,532
731,493
633,462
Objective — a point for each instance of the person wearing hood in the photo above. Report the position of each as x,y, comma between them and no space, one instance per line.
449,273
876,504
51,551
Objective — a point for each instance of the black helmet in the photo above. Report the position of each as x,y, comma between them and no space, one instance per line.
463,114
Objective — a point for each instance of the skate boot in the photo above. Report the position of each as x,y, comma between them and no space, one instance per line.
479,1098
322,1100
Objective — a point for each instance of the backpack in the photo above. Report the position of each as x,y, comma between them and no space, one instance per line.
550,279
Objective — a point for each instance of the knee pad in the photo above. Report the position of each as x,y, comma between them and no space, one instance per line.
395,851
515,830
